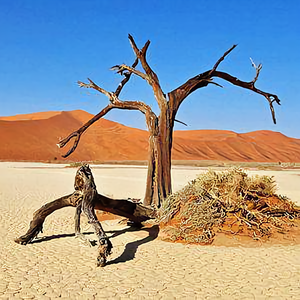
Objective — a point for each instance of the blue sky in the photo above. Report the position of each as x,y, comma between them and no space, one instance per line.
47,46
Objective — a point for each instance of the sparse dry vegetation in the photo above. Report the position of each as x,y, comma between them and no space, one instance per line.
229,202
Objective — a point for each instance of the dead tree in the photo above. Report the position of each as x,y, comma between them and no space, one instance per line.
86,199
161,127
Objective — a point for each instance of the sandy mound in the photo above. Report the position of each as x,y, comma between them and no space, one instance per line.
231,203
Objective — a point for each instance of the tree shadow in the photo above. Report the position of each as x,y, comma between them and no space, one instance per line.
55,236
131,248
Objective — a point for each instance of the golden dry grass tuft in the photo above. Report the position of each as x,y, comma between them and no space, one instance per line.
229,202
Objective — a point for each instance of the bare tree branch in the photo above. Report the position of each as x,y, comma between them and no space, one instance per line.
250,86
257,69
129,105
77,134
115,102
180,122
126,79
94,86
215,83
179,94
152,77
222,58
121,68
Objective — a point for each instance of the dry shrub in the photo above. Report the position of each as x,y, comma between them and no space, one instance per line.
229,201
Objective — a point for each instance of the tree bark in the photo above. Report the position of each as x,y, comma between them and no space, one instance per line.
151,193
158,185
133,211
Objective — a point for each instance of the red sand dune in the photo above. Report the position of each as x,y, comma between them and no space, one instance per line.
33,137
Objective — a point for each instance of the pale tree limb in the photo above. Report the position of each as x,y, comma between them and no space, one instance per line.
121,68
257,69
94,86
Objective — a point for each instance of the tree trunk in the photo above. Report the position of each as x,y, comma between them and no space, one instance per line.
151,195
159,163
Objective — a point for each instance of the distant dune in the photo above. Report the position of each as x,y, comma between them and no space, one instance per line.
34,116
33,137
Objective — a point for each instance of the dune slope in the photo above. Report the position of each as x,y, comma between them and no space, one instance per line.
33,137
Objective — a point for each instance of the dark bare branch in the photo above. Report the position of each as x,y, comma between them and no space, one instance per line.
179,94
250,86
145,48
129,105
215,83
63,142
115,102
39,216
152,77
77,134
126,79
199,81
222,58
180,122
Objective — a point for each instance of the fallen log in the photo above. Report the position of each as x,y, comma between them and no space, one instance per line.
86,198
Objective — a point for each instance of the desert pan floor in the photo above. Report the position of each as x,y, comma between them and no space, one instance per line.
141,266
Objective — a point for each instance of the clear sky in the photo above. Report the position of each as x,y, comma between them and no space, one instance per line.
46,46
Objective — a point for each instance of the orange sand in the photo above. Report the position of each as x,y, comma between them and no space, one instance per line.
33,137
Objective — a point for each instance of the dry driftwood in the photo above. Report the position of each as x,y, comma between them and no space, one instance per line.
86,199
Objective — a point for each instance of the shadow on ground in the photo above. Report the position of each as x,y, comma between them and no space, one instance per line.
55,236
131,248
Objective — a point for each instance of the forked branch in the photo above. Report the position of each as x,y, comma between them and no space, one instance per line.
121,68
115,102
126,79
129,105
77,134
257,69
179,94
152,78
250,86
